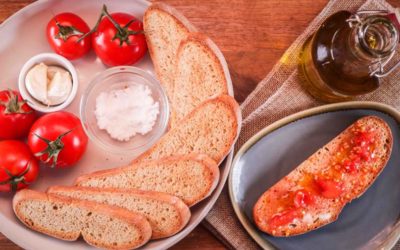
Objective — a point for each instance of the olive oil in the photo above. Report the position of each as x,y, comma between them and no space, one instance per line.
342,59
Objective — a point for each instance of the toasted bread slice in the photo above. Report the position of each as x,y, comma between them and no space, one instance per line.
315,192
166,214
191,178
165,28
212,129
201,73
64,218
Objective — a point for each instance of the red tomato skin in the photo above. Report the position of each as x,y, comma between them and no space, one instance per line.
15,126
109,51
51,126
15,156
69,49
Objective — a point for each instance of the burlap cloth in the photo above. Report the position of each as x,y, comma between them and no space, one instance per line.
280,95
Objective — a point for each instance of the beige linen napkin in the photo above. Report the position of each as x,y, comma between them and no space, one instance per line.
280,94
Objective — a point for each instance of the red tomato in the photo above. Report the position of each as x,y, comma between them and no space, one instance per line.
58,139
119,47
329,188
303,198
18,166
16,117
63,32
284,217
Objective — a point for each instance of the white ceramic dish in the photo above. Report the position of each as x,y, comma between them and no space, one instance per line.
23,36
50,59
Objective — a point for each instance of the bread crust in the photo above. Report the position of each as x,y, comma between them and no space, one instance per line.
203,159
234,113
135,219
216,53
180,20
180,206
211,49
265,206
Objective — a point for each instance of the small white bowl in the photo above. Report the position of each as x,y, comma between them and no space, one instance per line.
50,59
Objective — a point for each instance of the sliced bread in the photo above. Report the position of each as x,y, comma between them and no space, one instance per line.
191,178
166,214
64,218
212,129
315,192
201,73
165,28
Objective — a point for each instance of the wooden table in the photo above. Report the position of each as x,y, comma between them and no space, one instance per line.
252,34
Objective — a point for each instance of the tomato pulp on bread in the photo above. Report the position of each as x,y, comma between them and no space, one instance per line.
329,183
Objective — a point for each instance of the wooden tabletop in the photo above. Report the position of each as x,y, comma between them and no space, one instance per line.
252,35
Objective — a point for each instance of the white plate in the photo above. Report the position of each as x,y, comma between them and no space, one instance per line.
23,36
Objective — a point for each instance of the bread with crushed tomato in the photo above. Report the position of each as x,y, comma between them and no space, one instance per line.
275,205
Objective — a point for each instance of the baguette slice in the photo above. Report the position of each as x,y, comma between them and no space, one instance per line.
100,225
315,192
212,129
165,28
166,214
191,178
201,73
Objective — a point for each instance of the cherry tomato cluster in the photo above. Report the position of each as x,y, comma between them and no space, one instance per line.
55,139
117,38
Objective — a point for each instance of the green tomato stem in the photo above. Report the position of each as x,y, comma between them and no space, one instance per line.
122,32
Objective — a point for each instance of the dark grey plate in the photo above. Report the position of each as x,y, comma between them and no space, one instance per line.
369,222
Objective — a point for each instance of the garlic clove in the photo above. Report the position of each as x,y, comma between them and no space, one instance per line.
36,82
59,87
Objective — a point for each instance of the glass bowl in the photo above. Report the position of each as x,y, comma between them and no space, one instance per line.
118,78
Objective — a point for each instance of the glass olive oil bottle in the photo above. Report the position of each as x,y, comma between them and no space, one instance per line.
347,55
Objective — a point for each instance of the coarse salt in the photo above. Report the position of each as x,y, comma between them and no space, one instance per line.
123,113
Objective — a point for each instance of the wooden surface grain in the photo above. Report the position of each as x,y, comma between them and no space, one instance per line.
252,34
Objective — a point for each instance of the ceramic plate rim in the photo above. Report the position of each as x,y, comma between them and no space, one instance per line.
352,105
211,200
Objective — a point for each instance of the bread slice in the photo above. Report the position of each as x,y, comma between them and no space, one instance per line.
165,28
315,192
212,129
64,218
191,178
201,73
166,214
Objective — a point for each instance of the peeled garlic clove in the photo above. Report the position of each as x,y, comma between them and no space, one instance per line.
59,87
36,82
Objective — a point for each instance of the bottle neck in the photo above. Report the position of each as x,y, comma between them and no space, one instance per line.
374,38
